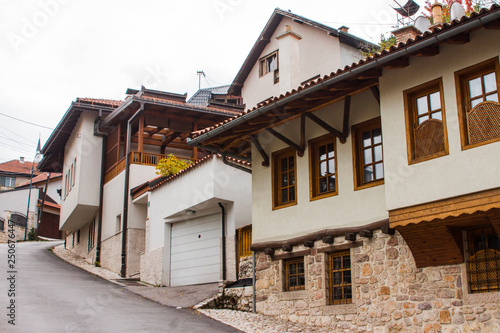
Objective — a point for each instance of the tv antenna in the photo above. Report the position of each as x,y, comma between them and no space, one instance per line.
200,73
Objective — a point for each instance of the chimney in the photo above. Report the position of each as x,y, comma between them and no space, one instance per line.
21,159
405,33
344,29
437,13
289,71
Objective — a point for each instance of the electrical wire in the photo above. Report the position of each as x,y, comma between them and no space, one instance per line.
27,122
22,137
18,142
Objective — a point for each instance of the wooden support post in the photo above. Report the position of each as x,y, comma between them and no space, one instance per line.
388,230
287,248
261,150
347,111
303,132
195,148
140,134
366,233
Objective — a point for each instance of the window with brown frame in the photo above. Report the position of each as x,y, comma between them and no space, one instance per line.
478,103
483,260
322,167
284,178
367,154
339,285
425,122
269,64
294,274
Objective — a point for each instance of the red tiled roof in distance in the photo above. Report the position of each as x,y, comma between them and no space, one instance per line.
18,167
99,101
41,178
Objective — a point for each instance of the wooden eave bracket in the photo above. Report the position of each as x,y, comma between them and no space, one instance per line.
459,39
261,150
345,128
398,63
429,51
300,148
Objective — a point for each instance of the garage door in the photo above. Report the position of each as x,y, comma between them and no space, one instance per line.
195,251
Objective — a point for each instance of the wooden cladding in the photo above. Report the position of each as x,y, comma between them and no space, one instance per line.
483,122
245,241
112,149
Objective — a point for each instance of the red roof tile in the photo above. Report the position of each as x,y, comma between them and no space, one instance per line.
18,167
99,101
42,177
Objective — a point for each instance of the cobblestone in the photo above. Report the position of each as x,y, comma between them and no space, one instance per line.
257,323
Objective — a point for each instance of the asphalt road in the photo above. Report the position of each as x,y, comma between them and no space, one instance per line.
46,294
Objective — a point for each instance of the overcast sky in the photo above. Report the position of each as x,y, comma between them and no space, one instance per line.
53,51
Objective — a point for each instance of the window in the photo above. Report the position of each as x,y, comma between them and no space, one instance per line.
294,274
284,179
269,64
339,286
73,241
7,181
478,107
425,122
17,219
119,223
483,260
91,240
323,167
2,224
78,237
367,154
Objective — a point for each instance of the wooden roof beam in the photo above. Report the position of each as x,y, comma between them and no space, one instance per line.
370,74
430,51
326,126
300,149
398,63
170,138
459,39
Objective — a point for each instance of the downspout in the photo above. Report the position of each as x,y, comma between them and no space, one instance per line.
223,211
254,298
123,269
101,188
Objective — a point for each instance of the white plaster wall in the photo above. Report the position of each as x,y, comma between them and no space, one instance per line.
319,53
347,209
83,199
349,55
112,205
52,189
16,201
460,172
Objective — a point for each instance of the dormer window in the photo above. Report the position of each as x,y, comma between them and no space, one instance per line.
269,64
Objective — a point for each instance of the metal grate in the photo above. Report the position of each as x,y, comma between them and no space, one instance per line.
339,285
483,248
295,274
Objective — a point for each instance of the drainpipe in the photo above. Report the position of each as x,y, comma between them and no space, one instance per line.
223,211
123,270
40,211
254,298
101,188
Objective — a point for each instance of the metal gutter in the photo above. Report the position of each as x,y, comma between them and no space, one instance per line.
407,50
97,132
223,212
234,165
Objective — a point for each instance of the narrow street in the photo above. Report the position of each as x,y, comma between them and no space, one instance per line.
54,296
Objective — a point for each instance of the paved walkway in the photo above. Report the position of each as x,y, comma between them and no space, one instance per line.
190,296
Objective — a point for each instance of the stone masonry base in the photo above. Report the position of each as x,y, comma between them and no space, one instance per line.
390,294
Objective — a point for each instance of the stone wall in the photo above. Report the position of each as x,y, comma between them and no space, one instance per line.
390,294
19,231
151,267
111,250
136,241
239,298
246,270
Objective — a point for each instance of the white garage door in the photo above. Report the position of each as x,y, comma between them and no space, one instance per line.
195,251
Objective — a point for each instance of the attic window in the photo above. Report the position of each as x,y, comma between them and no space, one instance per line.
269,64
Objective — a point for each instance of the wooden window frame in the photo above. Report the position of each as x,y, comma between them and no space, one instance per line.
486,255
330,284
287,275
411,118
91,238
263,66
314,165
357,153
462,91
276,171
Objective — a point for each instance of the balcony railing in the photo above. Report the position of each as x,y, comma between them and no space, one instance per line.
140,158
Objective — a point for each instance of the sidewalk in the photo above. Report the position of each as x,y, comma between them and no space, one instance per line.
189,297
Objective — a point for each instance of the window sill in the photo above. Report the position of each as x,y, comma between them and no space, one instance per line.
323,196
427,158
370,184
479,144
285,205
341,309
293,295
